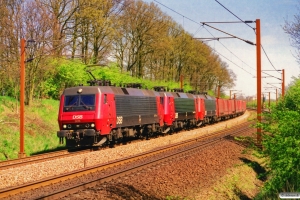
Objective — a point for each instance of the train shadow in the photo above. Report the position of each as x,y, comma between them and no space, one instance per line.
259,170
244,141
240,194
48,151
73,149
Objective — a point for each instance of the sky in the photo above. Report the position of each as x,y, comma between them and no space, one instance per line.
239,55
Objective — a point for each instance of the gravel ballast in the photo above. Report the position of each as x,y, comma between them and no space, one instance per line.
33,172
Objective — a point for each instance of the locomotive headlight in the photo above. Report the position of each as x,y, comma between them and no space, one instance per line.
92,125
64,126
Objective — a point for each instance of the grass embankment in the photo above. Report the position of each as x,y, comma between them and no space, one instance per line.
40,127
243,181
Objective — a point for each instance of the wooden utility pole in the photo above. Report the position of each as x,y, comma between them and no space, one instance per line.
181,81
269,100
282,86
230,93
258,75
22,95
276,96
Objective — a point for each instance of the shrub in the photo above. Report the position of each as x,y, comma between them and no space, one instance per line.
282,144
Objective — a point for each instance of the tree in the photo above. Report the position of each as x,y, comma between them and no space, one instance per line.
293,29
61,13
37,27
10,12
140,25
142,39
94,29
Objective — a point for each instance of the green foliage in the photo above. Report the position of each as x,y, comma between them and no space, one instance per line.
282,143
112,73
252,104
40,127
66,74
211,93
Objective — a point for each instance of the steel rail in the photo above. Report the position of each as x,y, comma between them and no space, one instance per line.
201,141
38,158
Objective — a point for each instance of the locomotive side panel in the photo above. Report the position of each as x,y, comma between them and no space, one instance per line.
184,106
202,109
226,109
231,107
169,108
107,114
220,107
136,110
244,106
210,107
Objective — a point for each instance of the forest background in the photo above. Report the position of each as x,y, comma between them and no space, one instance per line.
71,37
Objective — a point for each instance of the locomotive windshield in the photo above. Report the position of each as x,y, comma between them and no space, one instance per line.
79,102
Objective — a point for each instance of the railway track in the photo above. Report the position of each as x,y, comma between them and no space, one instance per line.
45,157
68,183
40,158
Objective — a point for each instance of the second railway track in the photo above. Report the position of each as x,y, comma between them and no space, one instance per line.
64,184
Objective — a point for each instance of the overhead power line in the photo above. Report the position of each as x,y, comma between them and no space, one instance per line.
232,62
208,30
247,41
229,50
201,25
269,58
251,28
235,15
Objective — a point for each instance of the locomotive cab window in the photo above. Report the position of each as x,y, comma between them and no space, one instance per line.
79,102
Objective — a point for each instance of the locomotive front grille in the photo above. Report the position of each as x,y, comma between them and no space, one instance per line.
78,126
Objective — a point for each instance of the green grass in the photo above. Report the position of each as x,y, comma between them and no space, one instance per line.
40,127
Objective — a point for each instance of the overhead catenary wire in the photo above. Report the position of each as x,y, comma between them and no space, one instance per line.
228,49
203,23
251,28
249,42
232,62
235,15
269,58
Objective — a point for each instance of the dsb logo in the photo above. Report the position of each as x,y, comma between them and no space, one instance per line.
77,116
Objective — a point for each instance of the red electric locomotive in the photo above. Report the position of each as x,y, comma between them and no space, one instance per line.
94,115
89,115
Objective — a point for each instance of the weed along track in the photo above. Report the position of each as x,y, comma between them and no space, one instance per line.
105,174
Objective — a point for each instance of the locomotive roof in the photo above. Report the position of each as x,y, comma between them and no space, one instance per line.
129,91
84,90
205,96
109,89
182,95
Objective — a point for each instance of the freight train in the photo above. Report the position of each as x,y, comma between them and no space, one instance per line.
103,114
